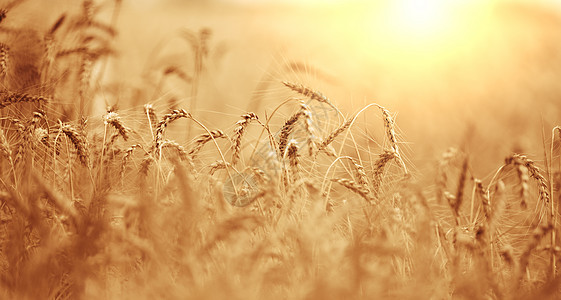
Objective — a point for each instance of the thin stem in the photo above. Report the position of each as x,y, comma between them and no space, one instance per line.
553,215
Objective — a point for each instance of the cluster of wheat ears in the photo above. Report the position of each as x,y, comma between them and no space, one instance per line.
116,209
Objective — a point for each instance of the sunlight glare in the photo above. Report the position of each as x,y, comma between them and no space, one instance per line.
419,17
419,33
422,20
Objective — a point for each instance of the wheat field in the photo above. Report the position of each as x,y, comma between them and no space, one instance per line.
234,149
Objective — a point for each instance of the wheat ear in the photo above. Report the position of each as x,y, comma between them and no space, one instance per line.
78,140
309,127
355,187
241,125
113,119
151,116
331,137
4,59
442,175
9,98
517,159
126,157
292,155
389,124
286,130
314,95
163,124
204,138
379,167
5,149
218,165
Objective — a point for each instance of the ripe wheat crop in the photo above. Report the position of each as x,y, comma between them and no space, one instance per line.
302,199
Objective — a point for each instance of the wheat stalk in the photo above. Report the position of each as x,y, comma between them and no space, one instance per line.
127,155
389,124
204,138
442,174
362,178
331,137
9,98
174,145
459,197
308,127
533,170
314,95
5,149
491,211
4,59
360,172
553,210
539,233
292,154
485,200
379,166
217,165
113,119
163,124
151,116
78,140
524,178
241,125
21,129
354,187
286,130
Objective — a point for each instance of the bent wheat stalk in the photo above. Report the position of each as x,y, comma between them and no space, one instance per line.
241,125
10,98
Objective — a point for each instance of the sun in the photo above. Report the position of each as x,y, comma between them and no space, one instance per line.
418,16
421,19
422,33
